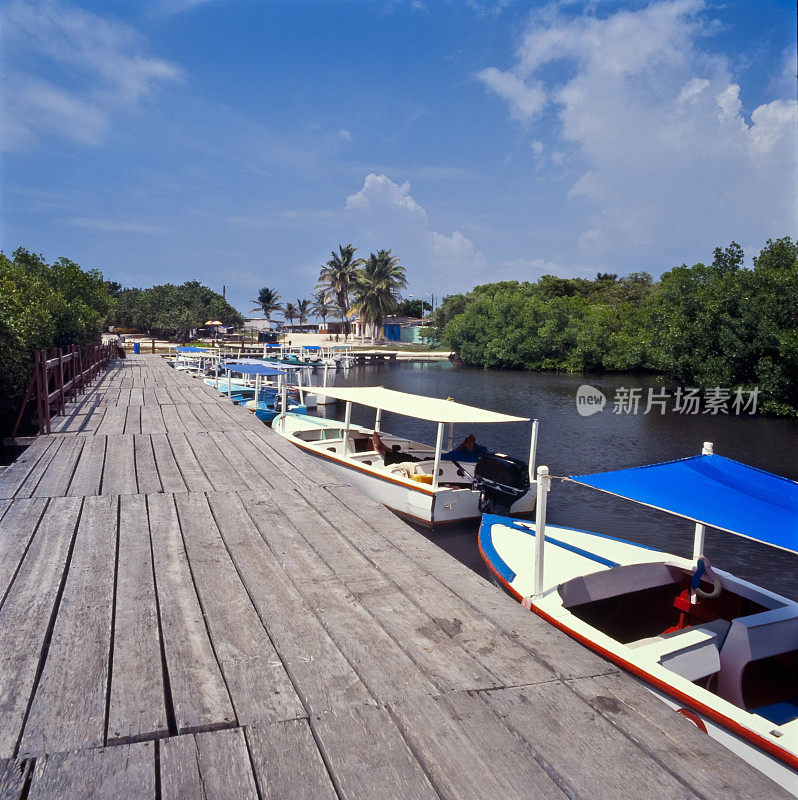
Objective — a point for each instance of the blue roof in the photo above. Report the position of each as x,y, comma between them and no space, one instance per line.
191,349
253,369
310,347
715,491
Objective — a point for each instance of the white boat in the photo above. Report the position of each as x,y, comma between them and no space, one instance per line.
435,489
720,650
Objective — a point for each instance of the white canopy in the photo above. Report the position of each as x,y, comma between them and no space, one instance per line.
415,405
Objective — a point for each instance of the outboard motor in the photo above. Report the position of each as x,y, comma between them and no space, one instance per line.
501,480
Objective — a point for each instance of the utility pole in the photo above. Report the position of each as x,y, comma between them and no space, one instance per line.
224,290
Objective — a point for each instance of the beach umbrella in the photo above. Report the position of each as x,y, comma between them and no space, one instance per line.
214,322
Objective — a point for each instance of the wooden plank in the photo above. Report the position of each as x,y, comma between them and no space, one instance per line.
465,750
190,468
368,757
168,471
216,763
152,419
300,639
146,469
119,475
219,470
57,476
171,419
137,705
111,773
506,658
288,764
189,419
615,762
68,709
245,452
113,420
552,649
4,506
382,665
16,531
87,478
199,695
672,740
27,612
15,474
133,420
137,396
13,778
22,483
255,677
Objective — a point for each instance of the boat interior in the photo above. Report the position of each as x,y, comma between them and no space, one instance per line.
360,451
741,645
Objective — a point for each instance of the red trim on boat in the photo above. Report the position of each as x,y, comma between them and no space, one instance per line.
744,733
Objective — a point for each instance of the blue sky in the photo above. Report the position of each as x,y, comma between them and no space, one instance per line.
238,143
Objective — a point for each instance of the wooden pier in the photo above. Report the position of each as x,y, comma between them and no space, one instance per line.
192,608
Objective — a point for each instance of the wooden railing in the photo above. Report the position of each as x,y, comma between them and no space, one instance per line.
59,378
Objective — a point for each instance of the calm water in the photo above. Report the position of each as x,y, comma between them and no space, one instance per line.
571,444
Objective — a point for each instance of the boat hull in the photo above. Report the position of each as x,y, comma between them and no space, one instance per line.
508,553
411,499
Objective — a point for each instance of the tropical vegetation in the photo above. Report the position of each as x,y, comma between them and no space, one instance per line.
716,325
172,311
267,303
338,278
44,306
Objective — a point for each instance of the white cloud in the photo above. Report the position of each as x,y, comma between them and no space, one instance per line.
655,128
387,215
525,100
380,195
344,134
103,68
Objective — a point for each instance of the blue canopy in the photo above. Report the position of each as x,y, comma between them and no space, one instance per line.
310,347
714,491
191,349
253,369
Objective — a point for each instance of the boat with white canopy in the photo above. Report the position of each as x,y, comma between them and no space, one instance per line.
431,485
720,650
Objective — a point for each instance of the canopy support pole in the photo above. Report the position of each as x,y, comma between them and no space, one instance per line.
283,402
438,448
229,384
700,530
533,450
378,420
347,424
543,482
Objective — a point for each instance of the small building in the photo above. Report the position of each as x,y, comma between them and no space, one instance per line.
403,329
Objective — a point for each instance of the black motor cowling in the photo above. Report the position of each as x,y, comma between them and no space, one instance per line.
501,480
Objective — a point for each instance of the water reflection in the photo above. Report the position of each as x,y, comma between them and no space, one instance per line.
572,444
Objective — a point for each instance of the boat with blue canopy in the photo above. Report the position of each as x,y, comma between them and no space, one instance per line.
720,650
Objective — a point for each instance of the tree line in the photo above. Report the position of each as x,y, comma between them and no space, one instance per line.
704,326
369,286
60,304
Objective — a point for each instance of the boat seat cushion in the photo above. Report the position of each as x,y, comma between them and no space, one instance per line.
779,713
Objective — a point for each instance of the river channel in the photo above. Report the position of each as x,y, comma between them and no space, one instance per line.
571,444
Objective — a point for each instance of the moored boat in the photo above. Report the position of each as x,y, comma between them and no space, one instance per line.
421,482
720,650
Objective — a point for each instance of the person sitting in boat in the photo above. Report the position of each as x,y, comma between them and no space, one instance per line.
467,450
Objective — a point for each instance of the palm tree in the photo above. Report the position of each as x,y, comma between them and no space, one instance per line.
321,306
290,312
338,277
302,310
377,290
267,303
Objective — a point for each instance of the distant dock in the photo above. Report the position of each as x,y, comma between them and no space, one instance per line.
192,608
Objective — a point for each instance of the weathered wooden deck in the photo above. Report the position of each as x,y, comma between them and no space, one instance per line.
192,608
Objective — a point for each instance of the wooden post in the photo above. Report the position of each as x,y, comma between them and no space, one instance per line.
540,528
62,405
153,346
347,423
